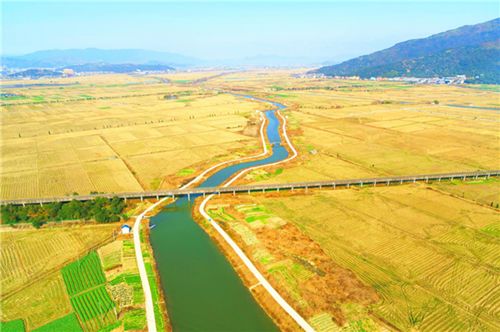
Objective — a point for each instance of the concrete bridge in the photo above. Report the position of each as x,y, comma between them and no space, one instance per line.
202,191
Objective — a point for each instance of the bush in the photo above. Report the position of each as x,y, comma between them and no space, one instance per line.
99,209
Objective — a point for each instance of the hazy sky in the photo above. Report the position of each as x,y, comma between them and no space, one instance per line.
219,30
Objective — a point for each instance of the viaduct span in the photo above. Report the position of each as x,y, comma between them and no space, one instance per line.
189,192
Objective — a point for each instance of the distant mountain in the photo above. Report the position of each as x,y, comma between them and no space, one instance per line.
73,57
472,50
117,68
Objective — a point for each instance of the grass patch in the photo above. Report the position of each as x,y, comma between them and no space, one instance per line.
134,320
12,326
185,172
10,98
68,323
251,219
38,98
492,229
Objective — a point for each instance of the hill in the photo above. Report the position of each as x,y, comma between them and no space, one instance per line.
472,50
75,57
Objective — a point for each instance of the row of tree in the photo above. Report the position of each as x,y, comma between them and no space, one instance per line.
100,209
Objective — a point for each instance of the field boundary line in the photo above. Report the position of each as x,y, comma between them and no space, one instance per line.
123,161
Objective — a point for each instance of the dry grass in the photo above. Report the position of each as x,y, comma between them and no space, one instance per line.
29,254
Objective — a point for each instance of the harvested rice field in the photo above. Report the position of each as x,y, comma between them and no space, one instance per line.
422,259
116,133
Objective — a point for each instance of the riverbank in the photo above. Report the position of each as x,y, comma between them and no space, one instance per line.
160,308
265,300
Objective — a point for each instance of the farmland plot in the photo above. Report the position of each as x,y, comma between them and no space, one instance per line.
85,283
431,257
28,254
108,143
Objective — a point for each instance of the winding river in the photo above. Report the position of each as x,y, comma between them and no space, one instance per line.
202,290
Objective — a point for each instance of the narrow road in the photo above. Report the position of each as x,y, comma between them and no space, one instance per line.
148,299
248,263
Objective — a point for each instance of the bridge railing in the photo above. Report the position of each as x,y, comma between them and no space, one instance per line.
260,187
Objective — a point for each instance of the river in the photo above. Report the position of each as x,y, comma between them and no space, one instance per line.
202,290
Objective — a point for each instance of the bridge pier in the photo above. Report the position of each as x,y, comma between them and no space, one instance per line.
334,186
375,183
142,198
439,179
234,193
388,181
292,188
414,180
41,204
249,191
157,197
263,190
319,187
278,189
401,181
189,196
348,186
426,179
361,184
203,194
24,204
306,189
125,199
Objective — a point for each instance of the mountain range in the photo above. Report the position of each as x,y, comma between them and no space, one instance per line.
472,50
79,57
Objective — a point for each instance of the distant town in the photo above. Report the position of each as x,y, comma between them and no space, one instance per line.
453,80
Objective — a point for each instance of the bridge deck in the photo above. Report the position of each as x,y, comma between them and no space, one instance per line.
261,187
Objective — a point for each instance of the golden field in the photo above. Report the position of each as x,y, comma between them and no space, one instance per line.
115,133
432,258
350,129
428,251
